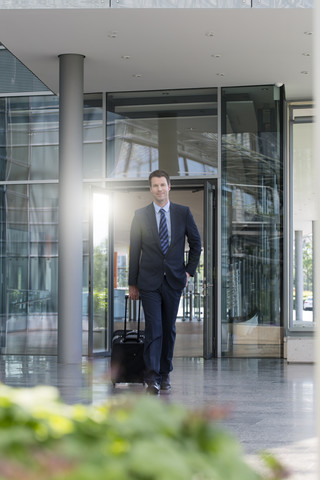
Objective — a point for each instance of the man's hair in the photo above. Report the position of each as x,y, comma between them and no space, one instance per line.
158,174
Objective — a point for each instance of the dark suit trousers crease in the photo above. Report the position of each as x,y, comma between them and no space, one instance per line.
160,311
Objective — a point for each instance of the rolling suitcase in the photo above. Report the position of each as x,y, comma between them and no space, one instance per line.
127,364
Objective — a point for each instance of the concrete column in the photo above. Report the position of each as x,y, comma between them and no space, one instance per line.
70,209
299,274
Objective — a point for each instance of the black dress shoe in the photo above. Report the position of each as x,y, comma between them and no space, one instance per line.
165,383
153,388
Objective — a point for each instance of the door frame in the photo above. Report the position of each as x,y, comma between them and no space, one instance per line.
109,278
211,345
210,232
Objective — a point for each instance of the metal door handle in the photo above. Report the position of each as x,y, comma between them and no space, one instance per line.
205,287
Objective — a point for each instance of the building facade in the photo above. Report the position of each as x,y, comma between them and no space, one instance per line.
234,156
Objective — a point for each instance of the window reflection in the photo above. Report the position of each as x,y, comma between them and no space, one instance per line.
173,130
30,251
252,228
29,139
29,143
15,77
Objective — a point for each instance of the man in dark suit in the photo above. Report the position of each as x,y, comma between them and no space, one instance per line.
158,274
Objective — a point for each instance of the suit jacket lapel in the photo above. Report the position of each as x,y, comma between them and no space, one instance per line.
173,222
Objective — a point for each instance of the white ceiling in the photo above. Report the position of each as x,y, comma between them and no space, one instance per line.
169,48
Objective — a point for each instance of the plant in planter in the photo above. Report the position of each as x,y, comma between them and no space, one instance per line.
128,438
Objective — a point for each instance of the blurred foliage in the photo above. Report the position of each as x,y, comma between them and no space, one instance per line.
129,438
100,290
100,266
100,300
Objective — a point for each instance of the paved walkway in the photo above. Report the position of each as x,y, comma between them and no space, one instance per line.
271,404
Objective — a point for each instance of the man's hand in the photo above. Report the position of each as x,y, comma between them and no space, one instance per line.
133,292
188,276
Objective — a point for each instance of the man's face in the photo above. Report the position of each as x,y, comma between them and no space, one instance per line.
160,189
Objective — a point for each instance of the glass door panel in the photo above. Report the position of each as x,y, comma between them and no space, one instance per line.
99,277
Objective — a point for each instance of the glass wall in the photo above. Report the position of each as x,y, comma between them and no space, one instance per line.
31,261
31,126
16,77
251,221
176,130
29,163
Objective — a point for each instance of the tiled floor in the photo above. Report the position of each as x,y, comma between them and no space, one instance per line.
271,404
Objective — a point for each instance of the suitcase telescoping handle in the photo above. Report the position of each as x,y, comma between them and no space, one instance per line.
125,318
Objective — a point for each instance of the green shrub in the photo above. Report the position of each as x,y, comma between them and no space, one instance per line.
128,438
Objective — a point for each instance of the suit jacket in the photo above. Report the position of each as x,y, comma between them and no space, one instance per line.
147,264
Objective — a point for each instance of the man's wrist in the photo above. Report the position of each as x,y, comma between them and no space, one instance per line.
133,292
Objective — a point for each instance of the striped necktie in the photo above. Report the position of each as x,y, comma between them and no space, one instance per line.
163,232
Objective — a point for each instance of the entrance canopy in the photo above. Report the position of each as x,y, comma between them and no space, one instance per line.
166,48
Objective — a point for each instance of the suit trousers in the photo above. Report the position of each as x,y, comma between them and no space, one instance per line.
160,310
